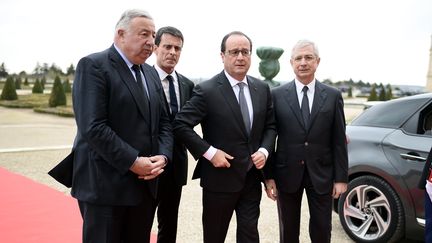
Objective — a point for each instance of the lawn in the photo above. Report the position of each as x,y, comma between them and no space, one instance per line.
39,103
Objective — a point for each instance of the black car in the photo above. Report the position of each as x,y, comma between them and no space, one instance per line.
387,147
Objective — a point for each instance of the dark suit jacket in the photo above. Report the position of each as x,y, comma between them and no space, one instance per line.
214,105
114,127
321,146
425,173
179,165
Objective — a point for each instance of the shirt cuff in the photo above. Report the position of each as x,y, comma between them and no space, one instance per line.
264,151
210,153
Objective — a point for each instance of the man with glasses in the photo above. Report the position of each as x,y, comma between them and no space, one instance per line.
311,153
236,116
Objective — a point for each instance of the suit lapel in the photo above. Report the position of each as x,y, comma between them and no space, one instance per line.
130,82
182,89
292,100
228,93
256,100
320,97
152,79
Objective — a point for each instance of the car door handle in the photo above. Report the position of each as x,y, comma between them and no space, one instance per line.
413,157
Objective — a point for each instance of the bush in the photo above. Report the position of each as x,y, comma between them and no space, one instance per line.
43,82
373,94
18,82
66,86
37,87
26,83
58,96
9,91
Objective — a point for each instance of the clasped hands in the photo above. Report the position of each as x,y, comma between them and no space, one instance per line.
148,168
221,159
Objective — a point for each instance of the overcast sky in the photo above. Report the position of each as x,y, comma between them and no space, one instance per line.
384,41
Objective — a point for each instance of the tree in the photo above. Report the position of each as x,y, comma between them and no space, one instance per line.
373,94
389,93
3,72
37,70
43,82
37,87
9,91
58,96
18,82
70,70
66,86
26,83
350,92
382,95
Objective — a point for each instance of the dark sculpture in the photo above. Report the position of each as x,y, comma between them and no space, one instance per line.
269,66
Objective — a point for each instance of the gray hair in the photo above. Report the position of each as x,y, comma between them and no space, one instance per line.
127,17
303,43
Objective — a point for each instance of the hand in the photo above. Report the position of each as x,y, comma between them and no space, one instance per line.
220,159
338,189
148,168
259,159
271,189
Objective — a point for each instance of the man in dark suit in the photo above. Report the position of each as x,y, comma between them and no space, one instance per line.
237,121
177,90
124,135
426,184
311,152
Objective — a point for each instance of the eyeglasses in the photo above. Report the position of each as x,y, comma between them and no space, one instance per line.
236,52
307,58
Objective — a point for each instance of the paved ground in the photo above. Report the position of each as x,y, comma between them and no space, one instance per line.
32,143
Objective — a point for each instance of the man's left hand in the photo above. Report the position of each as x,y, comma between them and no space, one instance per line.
259,159
338,189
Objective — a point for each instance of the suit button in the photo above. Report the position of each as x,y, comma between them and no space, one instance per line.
306,143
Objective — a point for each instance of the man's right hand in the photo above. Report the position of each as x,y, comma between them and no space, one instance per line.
146,169
220,159
271,189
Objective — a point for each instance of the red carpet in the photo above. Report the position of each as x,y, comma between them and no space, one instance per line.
34,213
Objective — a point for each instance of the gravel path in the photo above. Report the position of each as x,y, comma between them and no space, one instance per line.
32,143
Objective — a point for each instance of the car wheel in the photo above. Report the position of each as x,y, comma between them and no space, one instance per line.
370,211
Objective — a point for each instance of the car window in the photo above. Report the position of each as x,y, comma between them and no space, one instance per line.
425,122
420,122
390,114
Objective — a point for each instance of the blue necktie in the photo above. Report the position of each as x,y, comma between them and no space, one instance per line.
305,107
173,97
139,80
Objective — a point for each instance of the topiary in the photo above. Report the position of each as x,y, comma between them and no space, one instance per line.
66,86
9,91
37,87
58,96
18,82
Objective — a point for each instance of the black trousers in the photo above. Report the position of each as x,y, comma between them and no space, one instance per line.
118,224
320,210
218,208
167,213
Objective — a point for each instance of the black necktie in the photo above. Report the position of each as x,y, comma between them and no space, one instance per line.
173,97
305,107
243,107
139,81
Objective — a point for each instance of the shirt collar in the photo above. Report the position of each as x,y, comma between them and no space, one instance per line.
128,63
299,86
233,81
163,74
